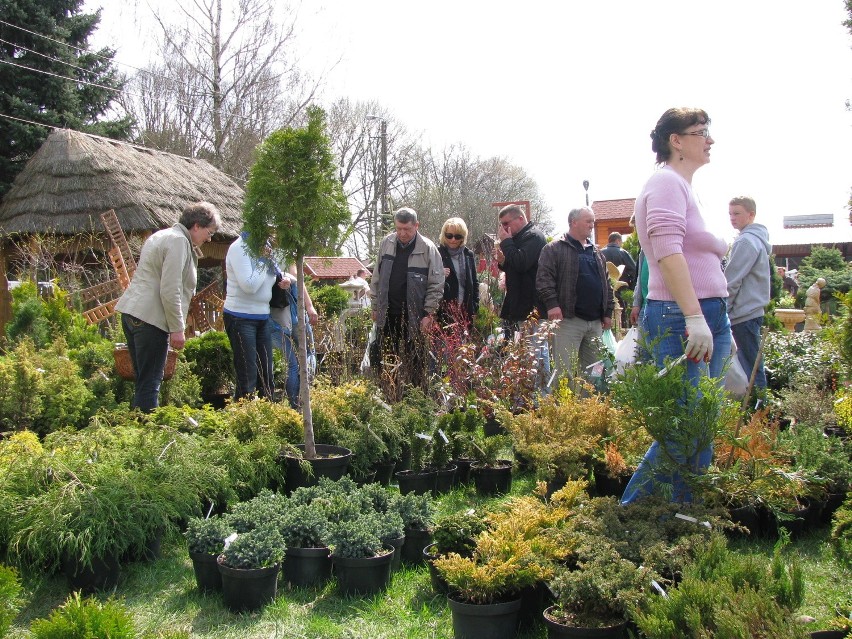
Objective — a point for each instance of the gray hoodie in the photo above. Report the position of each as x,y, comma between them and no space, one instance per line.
748,274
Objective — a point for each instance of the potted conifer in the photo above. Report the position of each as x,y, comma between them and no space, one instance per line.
294,194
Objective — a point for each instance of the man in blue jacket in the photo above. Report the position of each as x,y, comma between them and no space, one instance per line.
748,275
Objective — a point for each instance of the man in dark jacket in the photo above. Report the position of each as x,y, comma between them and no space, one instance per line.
517,255
573,284
613,252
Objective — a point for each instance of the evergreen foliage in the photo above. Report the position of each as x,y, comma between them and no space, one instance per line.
59,99
86,618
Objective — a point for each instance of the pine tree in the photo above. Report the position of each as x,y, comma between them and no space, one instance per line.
61,99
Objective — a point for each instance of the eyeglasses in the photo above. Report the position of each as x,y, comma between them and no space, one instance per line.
210,232
704,133
454,236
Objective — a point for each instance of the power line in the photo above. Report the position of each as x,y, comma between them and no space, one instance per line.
87,51
12,117
45,55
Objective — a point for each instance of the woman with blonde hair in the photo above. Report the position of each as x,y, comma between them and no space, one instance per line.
461,286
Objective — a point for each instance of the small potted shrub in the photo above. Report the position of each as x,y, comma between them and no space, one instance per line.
212,361
453,533
460,427
492,475
205,540
441,461
361,561
249,566
307,560
597,594
418,517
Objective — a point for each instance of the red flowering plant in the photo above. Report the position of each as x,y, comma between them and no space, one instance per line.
493,371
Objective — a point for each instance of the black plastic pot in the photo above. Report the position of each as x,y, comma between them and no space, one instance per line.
832,503
556,630
797,525
477,621
747,516
462,475
102,574
245,589
384,472
416,539
396,543
206,570
445,479
439,584
492,480
421,483
828,634
492,427
331,462
306,566
608,486
363,575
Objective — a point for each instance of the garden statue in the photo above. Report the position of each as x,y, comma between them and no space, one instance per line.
812,305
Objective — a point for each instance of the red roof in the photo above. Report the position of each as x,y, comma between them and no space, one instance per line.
614,209
332,268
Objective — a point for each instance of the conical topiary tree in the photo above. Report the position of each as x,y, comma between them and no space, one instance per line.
294,195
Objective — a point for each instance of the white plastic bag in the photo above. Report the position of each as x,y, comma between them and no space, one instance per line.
365,361
609,341
625,352
736,381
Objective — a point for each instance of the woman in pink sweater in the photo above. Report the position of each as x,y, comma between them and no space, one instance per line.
686,309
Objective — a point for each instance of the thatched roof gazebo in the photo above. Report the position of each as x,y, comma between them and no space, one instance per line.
74,177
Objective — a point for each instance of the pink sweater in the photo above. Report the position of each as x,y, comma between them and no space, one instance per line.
668,220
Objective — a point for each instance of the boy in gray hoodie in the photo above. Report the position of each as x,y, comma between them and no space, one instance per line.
748,276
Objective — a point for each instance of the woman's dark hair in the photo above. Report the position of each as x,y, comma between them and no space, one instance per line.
674,121
202,213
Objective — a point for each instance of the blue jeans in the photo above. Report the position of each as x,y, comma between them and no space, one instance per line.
664,322
286,343
149,347
251,342
747,337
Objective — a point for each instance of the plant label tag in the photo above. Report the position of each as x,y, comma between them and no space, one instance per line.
597,369
659,589
443,436
551,380
209,511
191,421
428,438
671,365
229,539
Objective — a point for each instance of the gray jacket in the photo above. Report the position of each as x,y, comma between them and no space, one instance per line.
164,281
748,274
425,282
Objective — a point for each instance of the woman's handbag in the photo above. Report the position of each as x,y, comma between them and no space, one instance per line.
280,296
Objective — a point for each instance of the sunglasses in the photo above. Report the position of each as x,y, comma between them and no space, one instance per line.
454,236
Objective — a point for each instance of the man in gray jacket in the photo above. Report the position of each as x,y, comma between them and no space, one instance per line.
572,282
748,275
407,285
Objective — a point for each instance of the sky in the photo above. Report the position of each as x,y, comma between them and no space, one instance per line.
570,90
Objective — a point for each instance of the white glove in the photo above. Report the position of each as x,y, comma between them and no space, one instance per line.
699,342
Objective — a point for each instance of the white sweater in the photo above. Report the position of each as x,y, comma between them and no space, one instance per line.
249,282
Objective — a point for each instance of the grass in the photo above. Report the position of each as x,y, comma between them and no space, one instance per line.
164,600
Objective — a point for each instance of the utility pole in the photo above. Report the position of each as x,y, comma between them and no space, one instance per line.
386,215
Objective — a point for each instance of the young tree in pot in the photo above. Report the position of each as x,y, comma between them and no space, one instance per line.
418,517
212,361
294,191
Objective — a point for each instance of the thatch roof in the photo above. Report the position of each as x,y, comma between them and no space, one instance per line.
74,177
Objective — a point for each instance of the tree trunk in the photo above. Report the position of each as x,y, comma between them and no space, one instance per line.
304,382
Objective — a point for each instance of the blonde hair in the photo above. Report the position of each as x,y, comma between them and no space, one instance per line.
454,225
